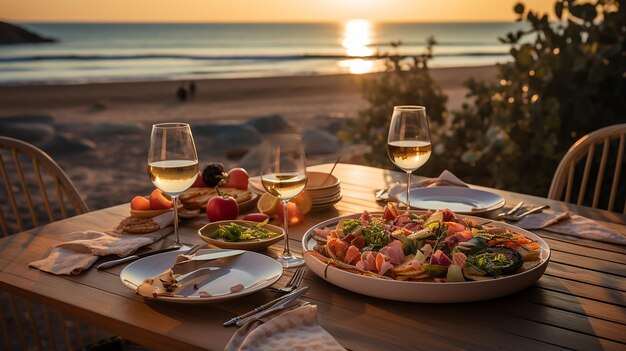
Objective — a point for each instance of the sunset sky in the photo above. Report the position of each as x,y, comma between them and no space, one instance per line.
262,10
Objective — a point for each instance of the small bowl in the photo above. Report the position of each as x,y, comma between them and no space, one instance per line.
253,245
318,181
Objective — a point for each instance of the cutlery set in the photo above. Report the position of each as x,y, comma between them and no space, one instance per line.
279,303
118,261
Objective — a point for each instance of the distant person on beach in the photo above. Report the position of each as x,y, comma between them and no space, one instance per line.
181,94
192,90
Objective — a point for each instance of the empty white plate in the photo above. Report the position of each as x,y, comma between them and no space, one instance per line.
457,199
250,269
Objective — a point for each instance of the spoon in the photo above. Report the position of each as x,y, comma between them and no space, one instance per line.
331,170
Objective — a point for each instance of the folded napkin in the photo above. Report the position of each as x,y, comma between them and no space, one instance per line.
446,178
83,248
296,329
571,224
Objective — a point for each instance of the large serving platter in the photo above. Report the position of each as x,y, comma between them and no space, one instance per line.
457,199
253,270
430,292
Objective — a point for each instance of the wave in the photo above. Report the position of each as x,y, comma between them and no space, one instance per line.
73,57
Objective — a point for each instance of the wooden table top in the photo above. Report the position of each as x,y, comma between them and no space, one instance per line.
579,303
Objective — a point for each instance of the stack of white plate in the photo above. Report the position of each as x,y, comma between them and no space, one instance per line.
324,189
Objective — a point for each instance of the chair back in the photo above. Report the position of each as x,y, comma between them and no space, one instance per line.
34,189
603,154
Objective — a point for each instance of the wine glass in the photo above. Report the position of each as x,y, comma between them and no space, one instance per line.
283,174
408,142
172,162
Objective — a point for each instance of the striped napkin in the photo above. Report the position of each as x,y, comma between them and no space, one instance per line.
296,329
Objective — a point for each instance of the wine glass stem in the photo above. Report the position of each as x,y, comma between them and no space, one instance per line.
175,203
408,190
286,224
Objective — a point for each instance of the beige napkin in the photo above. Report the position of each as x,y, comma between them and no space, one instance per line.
571,224
446,178
296,329
83,248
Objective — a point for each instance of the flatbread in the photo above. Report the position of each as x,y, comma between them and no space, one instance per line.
196,198
137,225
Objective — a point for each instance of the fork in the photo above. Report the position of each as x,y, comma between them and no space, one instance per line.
293,283
194,249
516,218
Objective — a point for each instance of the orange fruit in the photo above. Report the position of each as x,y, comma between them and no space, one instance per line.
268,204
140,203
293,213
303,201
158,201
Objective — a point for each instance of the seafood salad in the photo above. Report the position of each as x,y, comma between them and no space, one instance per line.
433,246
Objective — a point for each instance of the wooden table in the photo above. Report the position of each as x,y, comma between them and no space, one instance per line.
579,303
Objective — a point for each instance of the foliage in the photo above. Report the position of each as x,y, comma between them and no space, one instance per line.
406,81
566,80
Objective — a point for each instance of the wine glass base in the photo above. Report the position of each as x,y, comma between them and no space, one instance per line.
290,261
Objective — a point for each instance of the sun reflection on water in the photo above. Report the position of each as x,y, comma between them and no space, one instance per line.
357,36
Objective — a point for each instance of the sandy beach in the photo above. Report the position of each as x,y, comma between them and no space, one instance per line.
111,121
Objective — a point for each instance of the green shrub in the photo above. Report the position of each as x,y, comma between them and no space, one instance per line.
565,80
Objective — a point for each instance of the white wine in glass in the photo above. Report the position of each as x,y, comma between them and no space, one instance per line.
283,174
408,141
172,162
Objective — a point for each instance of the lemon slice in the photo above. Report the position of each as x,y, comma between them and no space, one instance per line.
268,204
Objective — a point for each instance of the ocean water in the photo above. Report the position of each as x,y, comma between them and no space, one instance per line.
99,52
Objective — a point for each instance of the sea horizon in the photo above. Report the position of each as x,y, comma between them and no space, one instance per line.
88,52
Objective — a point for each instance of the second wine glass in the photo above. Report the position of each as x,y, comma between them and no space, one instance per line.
172,162
283,175
408,141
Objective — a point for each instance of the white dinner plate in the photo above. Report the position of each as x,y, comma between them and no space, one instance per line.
253,270
427,292
460,200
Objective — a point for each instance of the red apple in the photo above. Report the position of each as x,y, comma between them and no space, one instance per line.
255,217
237,178
199,183
158,201
222,208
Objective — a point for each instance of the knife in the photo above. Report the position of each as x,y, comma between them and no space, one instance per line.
115,262
203,270
276,307
215,255
288,297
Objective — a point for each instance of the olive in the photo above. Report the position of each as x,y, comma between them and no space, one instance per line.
214,175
